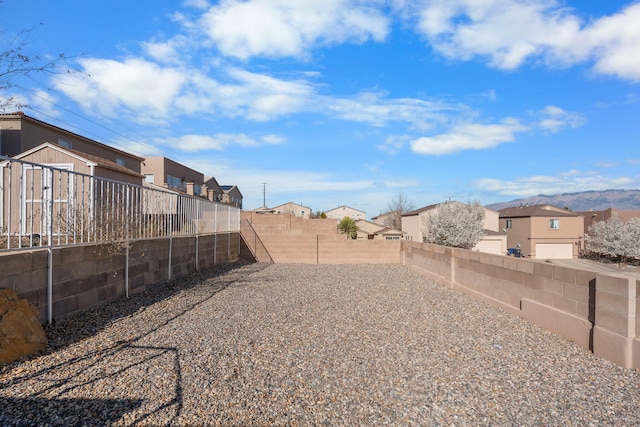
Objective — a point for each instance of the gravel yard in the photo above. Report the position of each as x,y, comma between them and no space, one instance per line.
290,344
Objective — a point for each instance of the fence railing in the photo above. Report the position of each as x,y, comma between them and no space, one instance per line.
43,205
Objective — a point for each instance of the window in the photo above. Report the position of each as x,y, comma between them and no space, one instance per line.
176,183
554,224
508,223
64,143
301,213
392,238
120,161
148,178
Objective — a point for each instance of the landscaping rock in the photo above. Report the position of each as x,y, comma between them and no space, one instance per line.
21,334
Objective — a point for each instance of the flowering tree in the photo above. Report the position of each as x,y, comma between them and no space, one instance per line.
614,239
455,224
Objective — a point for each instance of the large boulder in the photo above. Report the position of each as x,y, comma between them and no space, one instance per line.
21,333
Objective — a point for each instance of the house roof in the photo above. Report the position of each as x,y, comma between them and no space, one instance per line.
292,203
229,188
345,207
23,116
89,158
420,210
377,228
535,210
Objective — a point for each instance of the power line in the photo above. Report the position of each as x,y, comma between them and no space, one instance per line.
152,148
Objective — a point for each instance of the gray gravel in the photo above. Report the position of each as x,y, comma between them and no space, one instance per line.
291,344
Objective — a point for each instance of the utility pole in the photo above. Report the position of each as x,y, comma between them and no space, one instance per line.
264,194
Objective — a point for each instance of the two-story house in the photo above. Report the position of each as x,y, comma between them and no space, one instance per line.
544,231
345,211
414,224
214,191
231,195
167,173
591,217
20,133
294,209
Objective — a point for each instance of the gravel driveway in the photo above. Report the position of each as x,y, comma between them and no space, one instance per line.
290,344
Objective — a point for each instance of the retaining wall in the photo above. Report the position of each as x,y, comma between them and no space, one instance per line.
86,276
597,311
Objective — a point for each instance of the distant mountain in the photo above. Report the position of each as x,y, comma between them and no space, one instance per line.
581,202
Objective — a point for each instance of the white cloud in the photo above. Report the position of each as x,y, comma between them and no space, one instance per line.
615,41
378,110
281,28
553,119
393,144
572,181
219,141
469,136
509,33
135,85
169,52
506,31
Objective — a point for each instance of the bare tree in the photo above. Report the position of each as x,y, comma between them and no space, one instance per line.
400,204
455,224
16,62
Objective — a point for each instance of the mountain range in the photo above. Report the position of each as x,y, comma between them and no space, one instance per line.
582,201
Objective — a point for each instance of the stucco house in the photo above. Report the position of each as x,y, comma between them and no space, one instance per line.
294,209
345,211
167,173
214,191
544,231
494,242
371,231
591,217
231,195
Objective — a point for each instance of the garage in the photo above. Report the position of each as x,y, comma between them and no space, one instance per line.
495,247
554,250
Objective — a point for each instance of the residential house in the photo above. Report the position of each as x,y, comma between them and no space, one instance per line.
175,176
543,231
345,211
231,195
20,133
294,209
389,219
413,223
214,191
372,231
591,217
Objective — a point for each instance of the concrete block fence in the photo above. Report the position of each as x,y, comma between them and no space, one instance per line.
595,310
64,280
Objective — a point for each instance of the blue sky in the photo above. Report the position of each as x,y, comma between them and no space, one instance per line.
338,102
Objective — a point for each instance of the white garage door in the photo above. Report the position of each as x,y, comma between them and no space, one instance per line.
554,250
490,247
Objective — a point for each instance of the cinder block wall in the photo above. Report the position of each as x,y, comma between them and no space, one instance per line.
290,239
597,311
86,276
